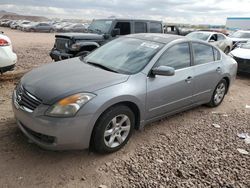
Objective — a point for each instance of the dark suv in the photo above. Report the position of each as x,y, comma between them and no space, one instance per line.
100,31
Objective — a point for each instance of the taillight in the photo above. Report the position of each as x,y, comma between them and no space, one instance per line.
4,42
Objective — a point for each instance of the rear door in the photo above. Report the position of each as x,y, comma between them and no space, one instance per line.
167,94
207,70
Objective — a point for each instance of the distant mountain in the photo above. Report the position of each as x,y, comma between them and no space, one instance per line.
3,12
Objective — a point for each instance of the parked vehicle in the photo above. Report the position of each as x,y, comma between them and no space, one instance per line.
133,80
175,30
240,37
215,38
59,26
23,23
242,55
75,28
70,45
7,57
40,27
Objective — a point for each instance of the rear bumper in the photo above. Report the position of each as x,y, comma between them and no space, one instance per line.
57,55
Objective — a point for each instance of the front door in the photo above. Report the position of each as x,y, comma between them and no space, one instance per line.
166,94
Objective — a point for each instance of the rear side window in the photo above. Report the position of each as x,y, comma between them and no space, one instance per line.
217,55
177,56
221,37
155,27
124,27
140,27
202,53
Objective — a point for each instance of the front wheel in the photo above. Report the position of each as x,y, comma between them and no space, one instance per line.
113,129
219,94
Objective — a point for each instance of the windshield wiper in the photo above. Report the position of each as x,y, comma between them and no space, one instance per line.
101,66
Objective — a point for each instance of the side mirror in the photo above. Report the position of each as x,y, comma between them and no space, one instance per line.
163,71
115,32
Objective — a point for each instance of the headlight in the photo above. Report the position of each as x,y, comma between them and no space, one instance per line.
75,46
69,106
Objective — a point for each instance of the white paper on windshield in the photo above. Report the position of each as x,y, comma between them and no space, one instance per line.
150,45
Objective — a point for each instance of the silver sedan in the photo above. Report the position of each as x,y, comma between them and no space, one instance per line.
97,101
218,39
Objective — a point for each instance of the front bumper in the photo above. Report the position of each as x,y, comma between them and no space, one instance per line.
243,64
57,55
54,133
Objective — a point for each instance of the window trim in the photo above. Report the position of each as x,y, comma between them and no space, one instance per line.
190,55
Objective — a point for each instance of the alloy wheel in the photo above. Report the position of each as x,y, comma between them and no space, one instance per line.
117,131
219,93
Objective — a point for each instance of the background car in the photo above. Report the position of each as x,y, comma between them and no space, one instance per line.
240,37
7,57
75,28
133,80
242,55
215,38
40,27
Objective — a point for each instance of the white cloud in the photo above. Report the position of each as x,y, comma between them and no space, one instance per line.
180,11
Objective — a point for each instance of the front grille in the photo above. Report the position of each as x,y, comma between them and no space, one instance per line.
40,137
26,100
60,43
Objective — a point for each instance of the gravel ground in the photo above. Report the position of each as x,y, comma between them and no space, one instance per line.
197,148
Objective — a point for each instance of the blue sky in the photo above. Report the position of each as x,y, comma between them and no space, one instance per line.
180,11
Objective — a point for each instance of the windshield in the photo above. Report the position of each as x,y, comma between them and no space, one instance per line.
240,34
200,36
100,26
124,55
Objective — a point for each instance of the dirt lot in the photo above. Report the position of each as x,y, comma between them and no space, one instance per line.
184,150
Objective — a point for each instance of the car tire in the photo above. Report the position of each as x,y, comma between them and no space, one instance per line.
227,50
218,94
113,129
51,30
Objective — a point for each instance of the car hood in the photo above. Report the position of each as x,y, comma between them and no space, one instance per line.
58,80
241,53
81,36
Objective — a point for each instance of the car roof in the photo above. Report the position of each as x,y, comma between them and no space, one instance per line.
129,19
157,37
207,32
244,31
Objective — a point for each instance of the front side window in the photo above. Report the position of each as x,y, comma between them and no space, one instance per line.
124,55
202,53
177,56
140,27
124,27
155,27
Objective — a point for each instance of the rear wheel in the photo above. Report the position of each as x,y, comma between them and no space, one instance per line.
113,129
219,94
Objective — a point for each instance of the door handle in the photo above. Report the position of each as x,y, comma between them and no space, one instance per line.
188,79
218,70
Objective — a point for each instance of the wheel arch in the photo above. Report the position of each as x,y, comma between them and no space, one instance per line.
132,105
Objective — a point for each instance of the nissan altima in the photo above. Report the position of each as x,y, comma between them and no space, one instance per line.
98,100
